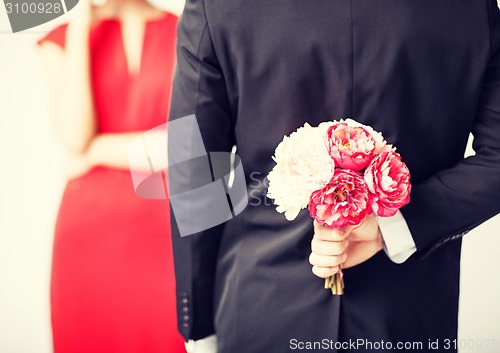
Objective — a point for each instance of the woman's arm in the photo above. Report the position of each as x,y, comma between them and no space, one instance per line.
69,71
112,150
74,116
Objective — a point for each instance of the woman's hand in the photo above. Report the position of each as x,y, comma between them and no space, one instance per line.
348,246
77,165
82,15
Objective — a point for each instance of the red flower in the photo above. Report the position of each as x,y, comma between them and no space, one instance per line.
343,201
351,147
388,179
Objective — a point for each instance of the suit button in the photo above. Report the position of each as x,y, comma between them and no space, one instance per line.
185,324
184,300
185,309
186,317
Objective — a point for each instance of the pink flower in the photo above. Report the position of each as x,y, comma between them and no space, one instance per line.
380,143
351,147
343,201
388,179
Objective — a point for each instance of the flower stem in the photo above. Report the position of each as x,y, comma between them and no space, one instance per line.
335,283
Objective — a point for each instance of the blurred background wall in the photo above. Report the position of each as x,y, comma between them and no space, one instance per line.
32,180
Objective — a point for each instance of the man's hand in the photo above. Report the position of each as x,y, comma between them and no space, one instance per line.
348,246
365,240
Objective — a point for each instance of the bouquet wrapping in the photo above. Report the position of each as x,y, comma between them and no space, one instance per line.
342,171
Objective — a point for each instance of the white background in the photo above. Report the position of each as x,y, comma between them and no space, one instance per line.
31,183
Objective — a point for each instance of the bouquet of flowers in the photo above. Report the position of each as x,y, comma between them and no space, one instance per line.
343,171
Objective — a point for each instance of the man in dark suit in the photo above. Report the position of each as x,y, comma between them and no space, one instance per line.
424,73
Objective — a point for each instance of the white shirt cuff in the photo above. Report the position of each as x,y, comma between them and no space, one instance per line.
204,345
399,243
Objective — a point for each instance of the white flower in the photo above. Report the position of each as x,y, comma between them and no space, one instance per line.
303,165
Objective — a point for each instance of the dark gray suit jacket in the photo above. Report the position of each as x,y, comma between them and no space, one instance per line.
426,73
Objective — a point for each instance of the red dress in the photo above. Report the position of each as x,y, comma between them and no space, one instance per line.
113,288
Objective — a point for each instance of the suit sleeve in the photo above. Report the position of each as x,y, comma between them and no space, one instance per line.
199,88
448,205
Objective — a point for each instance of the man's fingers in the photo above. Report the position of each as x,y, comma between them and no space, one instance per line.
322,247
329,234
324,272
326,261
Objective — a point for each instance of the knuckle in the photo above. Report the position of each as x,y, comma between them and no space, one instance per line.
320,272
331,261
336,236
339,259
333,248
337,249
322,249
311,259
314,245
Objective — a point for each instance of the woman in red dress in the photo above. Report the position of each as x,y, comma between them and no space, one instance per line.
112,287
